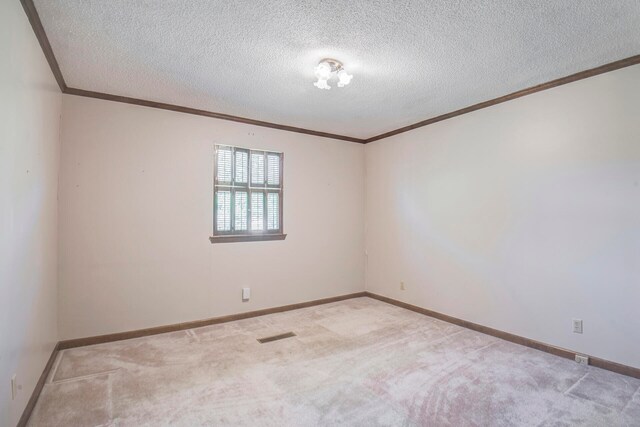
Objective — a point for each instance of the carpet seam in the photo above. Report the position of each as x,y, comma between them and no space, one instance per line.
110,398
87,376
54,372
568,391
631,399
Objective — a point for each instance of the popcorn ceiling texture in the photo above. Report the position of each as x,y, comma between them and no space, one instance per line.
358,362
411,59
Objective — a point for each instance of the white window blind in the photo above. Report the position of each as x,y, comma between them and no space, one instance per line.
257,211
257,168
242,209
247,191
273,169
242,167
224,164
273,211
223,200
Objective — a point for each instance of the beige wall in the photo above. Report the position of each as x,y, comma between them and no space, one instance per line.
136,216
30,103
520,216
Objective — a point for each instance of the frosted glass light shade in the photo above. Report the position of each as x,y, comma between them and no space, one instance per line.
344,78
322,84
323,71
328,69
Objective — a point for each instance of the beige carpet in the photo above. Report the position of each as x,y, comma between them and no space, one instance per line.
357,362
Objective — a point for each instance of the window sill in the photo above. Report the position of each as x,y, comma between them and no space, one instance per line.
247,238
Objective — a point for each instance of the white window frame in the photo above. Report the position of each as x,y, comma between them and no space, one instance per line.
233,235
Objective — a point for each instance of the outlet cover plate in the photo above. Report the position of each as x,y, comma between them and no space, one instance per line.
577,326
582,360
14,387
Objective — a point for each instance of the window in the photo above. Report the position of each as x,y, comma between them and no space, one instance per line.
247,196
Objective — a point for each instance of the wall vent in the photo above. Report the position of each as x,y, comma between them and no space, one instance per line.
276,337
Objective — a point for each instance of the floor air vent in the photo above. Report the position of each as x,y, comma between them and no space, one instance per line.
276,337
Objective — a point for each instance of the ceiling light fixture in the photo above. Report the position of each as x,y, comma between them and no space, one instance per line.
326,69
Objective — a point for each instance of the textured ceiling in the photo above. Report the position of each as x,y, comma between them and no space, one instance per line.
411,60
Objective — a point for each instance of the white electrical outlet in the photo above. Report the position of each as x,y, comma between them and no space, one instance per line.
14,387
577,326
402,287
583,360
246,294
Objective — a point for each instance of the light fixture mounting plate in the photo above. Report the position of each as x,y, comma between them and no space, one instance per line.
334,63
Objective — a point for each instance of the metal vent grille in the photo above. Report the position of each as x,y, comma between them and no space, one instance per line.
276,337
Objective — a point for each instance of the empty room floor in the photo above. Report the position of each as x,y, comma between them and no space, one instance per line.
354,362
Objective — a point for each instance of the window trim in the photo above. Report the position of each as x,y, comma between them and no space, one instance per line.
234,238
249,188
